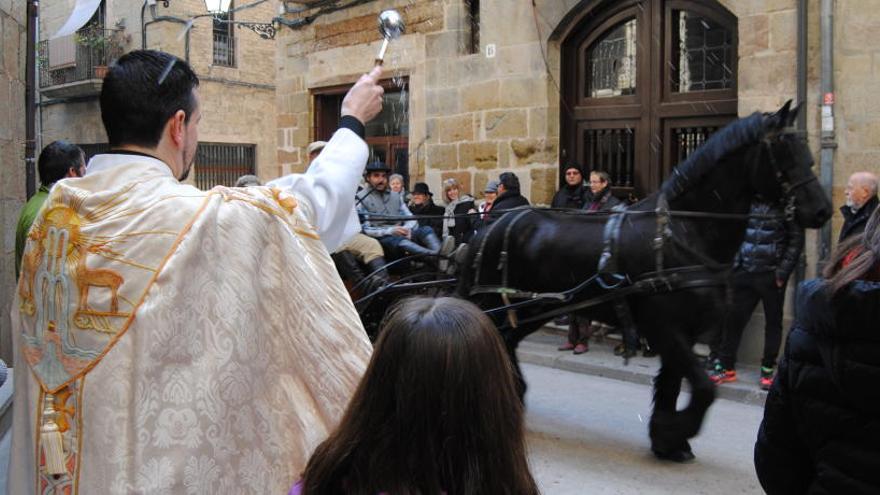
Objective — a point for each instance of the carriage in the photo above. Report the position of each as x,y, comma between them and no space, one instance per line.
639,267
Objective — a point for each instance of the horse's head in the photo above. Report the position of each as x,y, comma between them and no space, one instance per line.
785,156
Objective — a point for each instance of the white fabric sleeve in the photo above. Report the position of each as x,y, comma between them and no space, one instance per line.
404,211
329,186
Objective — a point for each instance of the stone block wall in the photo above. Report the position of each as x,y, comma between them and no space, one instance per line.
237,102
471,116
12,164
857,106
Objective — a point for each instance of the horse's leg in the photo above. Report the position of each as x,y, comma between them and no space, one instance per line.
512,338
670,429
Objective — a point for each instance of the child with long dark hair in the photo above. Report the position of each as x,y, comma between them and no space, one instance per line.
436,412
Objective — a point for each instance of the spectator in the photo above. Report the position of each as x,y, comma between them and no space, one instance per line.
509,196
489,194
573,193
436,412
314,149
397,237
456,223
821,425
763,264
248,181
395,182
600,197
57,161
861,201
422,203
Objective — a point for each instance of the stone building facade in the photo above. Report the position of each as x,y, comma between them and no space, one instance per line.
237,89
476,111
487,83
12,143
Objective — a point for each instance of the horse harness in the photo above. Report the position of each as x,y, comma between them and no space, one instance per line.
709,273
618,286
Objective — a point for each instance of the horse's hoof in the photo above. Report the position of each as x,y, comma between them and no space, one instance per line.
680,456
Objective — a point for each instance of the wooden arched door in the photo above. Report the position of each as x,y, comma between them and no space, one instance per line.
644,83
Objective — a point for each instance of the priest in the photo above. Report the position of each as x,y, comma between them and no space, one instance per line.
173,340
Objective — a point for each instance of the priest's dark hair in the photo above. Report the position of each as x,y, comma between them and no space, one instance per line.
141,91
437,411
57,159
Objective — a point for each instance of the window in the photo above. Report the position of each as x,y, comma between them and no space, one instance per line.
387,135
221,164
611,62
473,13
702,53
224,39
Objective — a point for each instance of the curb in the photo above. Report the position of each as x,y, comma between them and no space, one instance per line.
540,349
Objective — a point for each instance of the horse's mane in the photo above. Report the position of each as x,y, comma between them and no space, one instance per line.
742,132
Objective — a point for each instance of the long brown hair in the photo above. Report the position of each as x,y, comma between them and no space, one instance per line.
436,411
866,247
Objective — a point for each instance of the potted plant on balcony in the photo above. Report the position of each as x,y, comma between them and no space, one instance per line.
104,45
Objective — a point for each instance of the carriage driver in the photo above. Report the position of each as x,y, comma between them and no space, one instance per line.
398,238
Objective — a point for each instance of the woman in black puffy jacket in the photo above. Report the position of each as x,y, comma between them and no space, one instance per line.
821,428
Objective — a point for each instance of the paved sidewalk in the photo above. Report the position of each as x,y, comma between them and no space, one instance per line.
540,348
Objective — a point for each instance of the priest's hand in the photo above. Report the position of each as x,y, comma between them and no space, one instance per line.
364,99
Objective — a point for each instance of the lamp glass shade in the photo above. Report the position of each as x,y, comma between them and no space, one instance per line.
217,6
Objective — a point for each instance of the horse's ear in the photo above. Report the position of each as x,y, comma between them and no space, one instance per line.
783,113
792,115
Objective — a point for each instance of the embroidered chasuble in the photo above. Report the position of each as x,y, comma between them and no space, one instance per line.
183,341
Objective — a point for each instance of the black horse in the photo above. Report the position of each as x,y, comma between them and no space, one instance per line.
667,256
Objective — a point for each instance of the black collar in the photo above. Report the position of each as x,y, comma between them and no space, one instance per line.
114,151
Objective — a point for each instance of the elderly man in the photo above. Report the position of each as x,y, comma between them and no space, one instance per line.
398,237
861,201
187,348
57,161
600,198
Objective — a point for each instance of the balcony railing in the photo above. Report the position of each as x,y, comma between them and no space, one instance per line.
88,64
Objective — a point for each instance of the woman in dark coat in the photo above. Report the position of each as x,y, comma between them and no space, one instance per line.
456,223
821,428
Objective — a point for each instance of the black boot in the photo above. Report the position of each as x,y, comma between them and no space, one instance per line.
378,274
348,266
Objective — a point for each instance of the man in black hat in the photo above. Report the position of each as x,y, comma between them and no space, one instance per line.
422,204
397,237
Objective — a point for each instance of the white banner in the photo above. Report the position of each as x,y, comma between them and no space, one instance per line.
82,12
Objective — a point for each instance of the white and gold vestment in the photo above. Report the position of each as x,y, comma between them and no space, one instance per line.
188,341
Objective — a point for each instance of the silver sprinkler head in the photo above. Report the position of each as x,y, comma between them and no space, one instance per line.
391,24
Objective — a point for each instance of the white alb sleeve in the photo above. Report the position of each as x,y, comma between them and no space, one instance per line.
329,186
